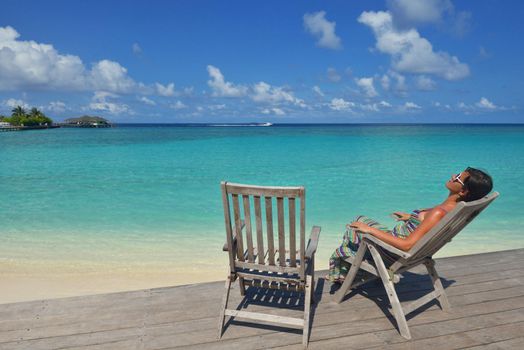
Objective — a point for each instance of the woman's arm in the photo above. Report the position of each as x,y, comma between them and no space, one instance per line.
400,216
430,220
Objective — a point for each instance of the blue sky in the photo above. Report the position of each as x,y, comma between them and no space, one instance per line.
279,61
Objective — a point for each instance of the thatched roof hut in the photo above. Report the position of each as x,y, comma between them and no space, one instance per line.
87,121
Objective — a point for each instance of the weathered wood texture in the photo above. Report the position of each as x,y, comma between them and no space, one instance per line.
485,291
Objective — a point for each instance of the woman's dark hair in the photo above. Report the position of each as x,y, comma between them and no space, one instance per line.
477,185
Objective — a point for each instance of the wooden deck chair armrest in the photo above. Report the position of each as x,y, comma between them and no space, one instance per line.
313,242
385,246
224,248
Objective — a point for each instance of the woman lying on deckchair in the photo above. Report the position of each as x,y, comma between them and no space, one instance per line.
469,185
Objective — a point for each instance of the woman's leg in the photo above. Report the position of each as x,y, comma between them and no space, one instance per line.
338,267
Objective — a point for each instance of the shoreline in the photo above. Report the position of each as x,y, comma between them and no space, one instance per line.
23,284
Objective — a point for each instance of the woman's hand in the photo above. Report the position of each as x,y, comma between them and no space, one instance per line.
400,216
359,226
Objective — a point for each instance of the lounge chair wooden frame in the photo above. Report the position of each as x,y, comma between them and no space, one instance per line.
421,253
277,267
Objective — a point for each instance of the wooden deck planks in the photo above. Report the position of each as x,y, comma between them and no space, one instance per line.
486,293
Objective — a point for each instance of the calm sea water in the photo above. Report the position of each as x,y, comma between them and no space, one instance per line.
144,197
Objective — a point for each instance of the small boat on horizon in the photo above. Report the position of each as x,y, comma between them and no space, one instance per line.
243,124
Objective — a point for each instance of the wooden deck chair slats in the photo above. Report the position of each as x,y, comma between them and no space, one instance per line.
421,253
303,236
448,227
292,232
269,226
249,233
281,233
260,237
230,241
238,232
252,264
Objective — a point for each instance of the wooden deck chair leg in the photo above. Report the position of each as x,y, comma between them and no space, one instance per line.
437,285
223,307
392,294
341,293
307,308
312,262
242,286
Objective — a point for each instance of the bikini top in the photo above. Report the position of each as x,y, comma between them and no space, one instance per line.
416,212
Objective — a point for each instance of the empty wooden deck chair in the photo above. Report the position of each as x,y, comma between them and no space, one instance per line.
256,259
421,253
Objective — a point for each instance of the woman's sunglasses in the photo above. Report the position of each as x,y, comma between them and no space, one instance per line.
456,178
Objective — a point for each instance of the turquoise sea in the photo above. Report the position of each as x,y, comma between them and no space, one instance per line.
147,198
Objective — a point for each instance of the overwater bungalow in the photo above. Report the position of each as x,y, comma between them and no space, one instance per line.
86,122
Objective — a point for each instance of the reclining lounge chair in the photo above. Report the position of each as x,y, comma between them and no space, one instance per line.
421,253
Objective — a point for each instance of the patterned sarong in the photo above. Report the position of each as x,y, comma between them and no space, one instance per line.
338,268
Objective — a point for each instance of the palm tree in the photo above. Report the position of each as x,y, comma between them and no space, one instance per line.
18,111
35,112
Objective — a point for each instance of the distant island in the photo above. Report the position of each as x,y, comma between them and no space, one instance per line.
86,121
20,119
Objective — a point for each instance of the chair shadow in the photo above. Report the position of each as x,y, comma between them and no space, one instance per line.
279,299
412,286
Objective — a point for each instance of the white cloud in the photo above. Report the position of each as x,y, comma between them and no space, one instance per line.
484,103
425,83
441,106
462,105
13,103
221,87
318,91
188,91
28,64
410,52
411,106
333,75
371,107
56,107
461,23
217,107
412,12
483,53
178,105
375,107
263,92
165,90
111,76
366,84
324,30
147,101
100,102
400,81
137,50
339,104
276,111
385,82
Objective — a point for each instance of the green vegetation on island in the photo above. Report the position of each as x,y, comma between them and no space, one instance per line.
20,117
